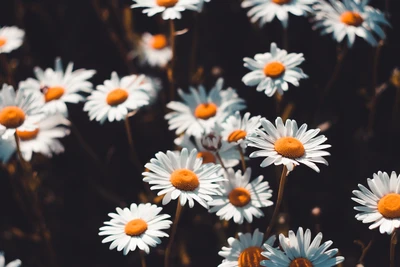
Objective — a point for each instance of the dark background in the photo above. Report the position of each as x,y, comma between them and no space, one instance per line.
92,35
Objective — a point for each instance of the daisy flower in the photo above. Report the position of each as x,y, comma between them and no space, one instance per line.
7,149
116,97
273,71
245,250
58,87
380,203
266,10
201,111
170,9
138,226
350,18
11,38
289,145
18,110
154,50
298,250
15,263
241,199
183,175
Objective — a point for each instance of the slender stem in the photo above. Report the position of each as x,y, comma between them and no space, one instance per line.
239,147
365,250
195,41
372,112
142,259
134,156
285,39
171,74
173,233
278,201
278,103
25,165
7,68
220,160
393,242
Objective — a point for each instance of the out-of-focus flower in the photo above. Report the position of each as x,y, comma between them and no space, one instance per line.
170,9
395,78
154,50
11,38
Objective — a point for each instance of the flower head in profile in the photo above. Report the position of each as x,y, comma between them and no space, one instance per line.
154,50
273,71
289,145
11,38
299,250
182,175
380,204
170,9
139,226
265,11
116,97
245,250
58,87
350,18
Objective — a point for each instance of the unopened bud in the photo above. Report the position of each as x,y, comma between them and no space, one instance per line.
211,142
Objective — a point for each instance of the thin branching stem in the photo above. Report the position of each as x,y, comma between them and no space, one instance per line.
173,233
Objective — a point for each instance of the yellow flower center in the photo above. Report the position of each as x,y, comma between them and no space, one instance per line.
207,156
184,180
281,2
239,197
274,69
27,135
167,3
289,147
3,41
251,257
116,97
389,206
301,262
12,117
236,136
53,93
135,227
205,111
159,41
351,18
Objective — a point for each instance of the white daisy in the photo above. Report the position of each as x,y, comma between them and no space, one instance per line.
11,38
298,250
351,18
245,250
241,199
14,263
7,150
289,145
170,9
183,175
139,226
154,50
200,111
273,71
58,87
116,97
19,110
381,203
266,10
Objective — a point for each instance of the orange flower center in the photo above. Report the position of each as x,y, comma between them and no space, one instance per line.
351,18
289,147
389,206
167,3
3,41
116,97
239,197
236,136
301,262
205,111
53,93
135,227
207,156
184,180
159,41
281,2
27,135
251,257
274,69
12,117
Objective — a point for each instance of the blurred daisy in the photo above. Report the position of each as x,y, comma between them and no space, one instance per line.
241,199
154,50
298,250
15,263
200,111
182,175
139,226
273,71
58,87
11,38
18,110
350,18
116,97
289,145
170,9
7,149
266,10
380,204
245,251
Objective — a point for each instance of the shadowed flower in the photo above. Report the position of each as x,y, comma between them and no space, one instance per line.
170,9
11,38
154,50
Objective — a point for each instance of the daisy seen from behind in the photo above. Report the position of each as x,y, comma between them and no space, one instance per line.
114,99
299,250
350,18
170,9
273,71
289,145
11,38
139,226
14,263
154,50
182,175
